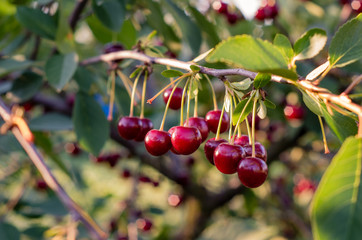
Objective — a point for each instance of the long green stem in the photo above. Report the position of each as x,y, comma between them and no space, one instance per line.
253,127
326,150
231,117
111,98
143,94
188,101
248,129
133,93
217,137
182,102
196,102
213,92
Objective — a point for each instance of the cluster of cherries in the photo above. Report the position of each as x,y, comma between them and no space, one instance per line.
222,8
268,10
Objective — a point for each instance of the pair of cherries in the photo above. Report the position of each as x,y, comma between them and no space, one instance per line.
237,157
134,128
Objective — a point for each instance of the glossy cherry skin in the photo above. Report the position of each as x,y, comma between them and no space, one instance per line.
252,172
227,157
260,151
223,9
144,224
158,142
232,18
242,140
293,112
170,131
175,103
129,127
146,126
212,119
186,140
200,124
210,147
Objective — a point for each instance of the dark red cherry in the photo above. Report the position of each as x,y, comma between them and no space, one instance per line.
158,142
170,131
186,140
41,184
113,47
260,151
271,11
227,157
260,14
176,97
146,126
212,119
144,224
73,149
112,159
293,112
222,8
129,127
126,173
356,6
200,124
252,172
242,140
343,2
210,147
232,18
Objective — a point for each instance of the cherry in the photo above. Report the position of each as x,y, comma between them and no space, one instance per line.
175,103
158,142
186,140
356,6
252,171
41,185
227,157
260,14
146,126
144,179
210,147
170,131
304,185
174,200
72,149
126,173
144,224
343,2
242,140
293,112
260,151
113,47
222,8
200,124
129,127
212,119
112,159
267,12
232,18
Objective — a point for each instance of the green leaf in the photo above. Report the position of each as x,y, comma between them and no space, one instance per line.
284,45
252,54
90,123
59,69
84,78
135,72
261,80
26,86
35,232
172,73
8,231
64,36
128,34
269,104
10,65
195,68
337,204
312,103
110,12
239,108
190,32
346,45
241,85
51,122
310,44
100,32
36,21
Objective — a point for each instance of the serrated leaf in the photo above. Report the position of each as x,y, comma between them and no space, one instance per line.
51,122
252,54
241,85
261,80
312,103
239,108
269,104
310,44
195,68
36,21
284,45
346,45
110,12
26,86
337,204
172,73
90,123
262,111
59,69
10,65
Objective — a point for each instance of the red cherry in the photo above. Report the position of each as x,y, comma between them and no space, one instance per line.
200,124
304,185
356,6
170,131
271,11
186,140
144,224
343,2
112,159
293,112
260,151
242,140
212,119
126,173
144,179
28,106
146,126
210,147
232,18
175,103
72,149
252,171
41,184
222,8
227,157
158,142
129,127
260,14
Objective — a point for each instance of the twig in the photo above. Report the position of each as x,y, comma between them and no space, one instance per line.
76,211
354,83
76,13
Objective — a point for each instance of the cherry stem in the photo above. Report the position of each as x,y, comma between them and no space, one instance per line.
111,98
231,118
188,101
326,150
237,126
196,102
217,137
167,106
133,93
143,94
168,85
248,130
182,102
213,92
253,127
124,81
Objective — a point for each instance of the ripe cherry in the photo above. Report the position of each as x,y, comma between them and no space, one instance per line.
260,151
72,149
129,127
186,140
227,157
41,184
242,140
170,131
212,119
293,112
267,12
200,124
158,142
222,8
232,18
175,103
252,171
210,147
144,224
146,126
126,173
